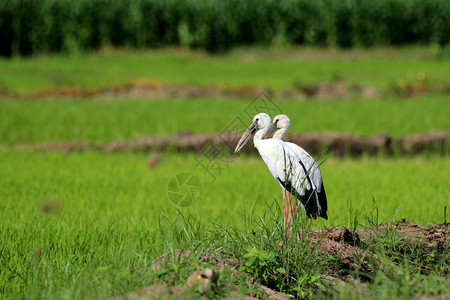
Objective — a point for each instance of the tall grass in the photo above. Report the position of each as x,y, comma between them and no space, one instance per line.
31,27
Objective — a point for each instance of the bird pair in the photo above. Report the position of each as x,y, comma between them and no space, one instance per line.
292,167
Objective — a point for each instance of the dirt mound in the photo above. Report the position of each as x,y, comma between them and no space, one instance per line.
435,236
353,248
315,143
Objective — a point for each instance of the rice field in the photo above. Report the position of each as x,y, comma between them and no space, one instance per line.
90,224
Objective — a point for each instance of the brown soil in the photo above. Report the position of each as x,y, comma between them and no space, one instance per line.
148,89
315,143
351,249
141,89
336,89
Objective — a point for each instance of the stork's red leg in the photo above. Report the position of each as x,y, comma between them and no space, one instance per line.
298,222
285,208
291,209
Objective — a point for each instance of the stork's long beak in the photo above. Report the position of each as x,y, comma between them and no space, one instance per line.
270,131
246,137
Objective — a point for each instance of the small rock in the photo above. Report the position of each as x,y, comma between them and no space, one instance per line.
205,278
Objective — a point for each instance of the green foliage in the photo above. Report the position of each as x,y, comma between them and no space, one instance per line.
31,27
257,263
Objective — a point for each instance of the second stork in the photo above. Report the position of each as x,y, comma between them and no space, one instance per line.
286,167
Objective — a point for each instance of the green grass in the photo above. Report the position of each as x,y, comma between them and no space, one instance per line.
277,69
103,121
86,182
106,210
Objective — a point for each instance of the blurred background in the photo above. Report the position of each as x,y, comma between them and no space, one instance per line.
42,27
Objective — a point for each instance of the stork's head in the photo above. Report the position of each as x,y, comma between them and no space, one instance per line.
260,121
279,122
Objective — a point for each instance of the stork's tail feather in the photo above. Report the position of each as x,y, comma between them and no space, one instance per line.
314,203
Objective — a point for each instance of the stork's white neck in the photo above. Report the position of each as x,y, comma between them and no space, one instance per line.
280,133
259,136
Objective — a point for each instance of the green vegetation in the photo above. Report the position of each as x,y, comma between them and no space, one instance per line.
89,225
26,122
32,27
86,184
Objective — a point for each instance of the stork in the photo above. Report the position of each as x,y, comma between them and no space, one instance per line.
286,167
282,122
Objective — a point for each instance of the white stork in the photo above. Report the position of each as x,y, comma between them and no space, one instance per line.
285,166
283,123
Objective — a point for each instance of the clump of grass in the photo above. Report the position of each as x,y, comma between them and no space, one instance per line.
402,269
264,252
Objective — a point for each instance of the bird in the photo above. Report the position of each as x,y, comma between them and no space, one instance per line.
285,166
282,123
